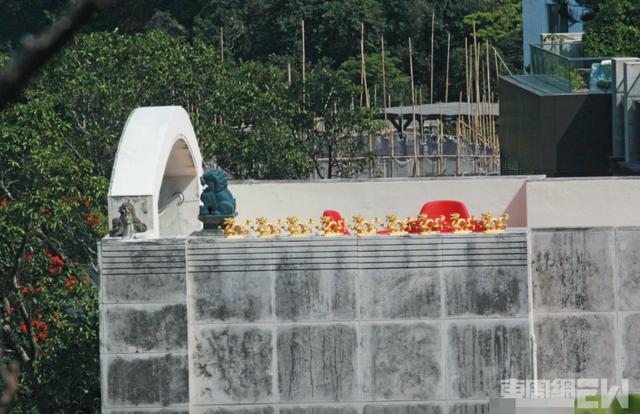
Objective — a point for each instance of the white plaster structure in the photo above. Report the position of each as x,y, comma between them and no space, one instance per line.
157,169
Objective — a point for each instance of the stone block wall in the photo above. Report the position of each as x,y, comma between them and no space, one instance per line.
377,325
586,302
143,327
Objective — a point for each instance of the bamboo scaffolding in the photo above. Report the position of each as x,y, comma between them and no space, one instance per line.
446,86
413,106
363,70
433,20
384,87
458,132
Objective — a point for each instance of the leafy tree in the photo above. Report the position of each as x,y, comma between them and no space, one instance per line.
252,139
48,224
331,126
615,29
500,24
397,84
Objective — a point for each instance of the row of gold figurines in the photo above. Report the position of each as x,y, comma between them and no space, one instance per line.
360,227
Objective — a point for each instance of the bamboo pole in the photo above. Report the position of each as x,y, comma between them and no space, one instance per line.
433,20
304,57
458,132
415,143
490,121
364,70
384,86
466,73
413,105
476,61
421,116
440,144
222,44
446,87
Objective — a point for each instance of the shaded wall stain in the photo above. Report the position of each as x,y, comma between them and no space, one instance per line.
317,362
232,296
315,295
163,329
161,381
236,361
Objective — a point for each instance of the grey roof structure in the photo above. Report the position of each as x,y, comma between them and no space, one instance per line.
448,112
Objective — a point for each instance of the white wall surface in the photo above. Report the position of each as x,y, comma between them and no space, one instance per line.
532,201
583,202
378,198
534,22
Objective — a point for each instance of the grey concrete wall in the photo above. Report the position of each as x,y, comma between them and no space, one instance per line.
408,324
143,326
586,302
377,325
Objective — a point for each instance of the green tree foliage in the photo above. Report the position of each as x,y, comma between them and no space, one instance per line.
397,84
331,126
252,138
49,223
615,29
500,24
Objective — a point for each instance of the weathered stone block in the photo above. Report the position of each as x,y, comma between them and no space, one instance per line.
576,346
317,363
486,291
628,266
400,293
421,408
145,328
477,249
319,409
629,325
149,380
176,410
402,361
231,297
399,252
482,353
307,295
573,270
469,408
144,288
236,409
231,364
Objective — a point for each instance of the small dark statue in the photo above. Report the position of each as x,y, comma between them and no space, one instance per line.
216,197
127,224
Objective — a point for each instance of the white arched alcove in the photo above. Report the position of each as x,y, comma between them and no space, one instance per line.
157,169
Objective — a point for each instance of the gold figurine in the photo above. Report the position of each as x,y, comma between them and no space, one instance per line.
364,228
233,229
396,226
429,226
298,228
265,229
494,225
330,227
461,225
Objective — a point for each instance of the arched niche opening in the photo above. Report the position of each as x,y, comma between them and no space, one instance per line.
157,169
179,198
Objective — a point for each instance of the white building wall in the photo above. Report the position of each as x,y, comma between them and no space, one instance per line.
534,22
